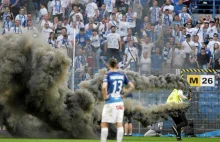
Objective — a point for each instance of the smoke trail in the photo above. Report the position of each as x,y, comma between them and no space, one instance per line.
33,87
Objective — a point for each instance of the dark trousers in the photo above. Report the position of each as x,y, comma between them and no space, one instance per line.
180,122
113,53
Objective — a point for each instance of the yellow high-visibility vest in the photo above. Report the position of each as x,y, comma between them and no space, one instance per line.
173,97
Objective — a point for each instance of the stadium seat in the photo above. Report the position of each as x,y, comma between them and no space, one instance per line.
211,116
216,107
202,97
204,107
212,98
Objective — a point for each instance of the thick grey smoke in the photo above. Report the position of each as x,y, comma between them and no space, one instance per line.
33,89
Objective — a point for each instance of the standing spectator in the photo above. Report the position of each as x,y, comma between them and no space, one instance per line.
189,29
91,8
70,31
184,15
33,30
17,29
167,18
145,64
46,31
103,13
132,55
217,66
42,12
79,23
156,60
36,6
177,21
125,63
168,6
131,18
178,7
113,44
210,46
51,40
202,59
46,20
123,27
123,8
210,56
193,58
57,9
66,44
58,29
75,12
137,8
7,24
81,38
80,63
179,57
216,53
167,57
110,4
154,13
198,31
197,44
15,6
95,43
66,24
22,17
211,30
188,44
147,46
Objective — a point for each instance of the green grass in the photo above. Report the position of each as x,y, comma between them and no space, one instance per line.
126,139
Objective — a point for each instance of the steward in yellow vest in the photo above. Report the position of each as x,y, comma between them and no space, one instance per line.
176,96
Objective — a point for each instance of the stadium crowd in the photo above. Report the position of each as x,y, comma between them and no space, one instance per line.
147,36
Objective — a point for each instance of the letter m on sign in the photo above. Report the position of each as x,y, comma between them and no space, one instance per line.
194,80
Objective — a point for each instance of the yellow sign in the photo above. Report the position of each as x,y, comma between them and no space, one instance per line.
194,80
201,80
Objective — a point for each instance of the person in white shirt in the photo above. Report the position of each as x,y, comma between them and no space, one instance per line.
67,45
123,27
46,31
75,12
184,15
95,40
131,18
211,30
70,31
125,63
113,44
61,36
33,30
91,8
154,13
188,44
79,23
57,9
91,20
22,17
42,11
132,55
110,4
17,29
189,29
179,57
198,31
145,64
114,21
65,24
46,20
210,46
168,6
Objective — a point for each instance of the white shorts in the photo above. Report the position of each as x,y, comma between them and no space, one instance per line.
113,112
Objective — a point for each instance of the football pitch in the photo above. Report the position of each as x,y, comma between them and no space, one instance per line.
126,139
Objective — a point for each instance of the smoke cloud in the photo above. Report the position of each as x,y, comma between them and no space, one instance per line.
34,95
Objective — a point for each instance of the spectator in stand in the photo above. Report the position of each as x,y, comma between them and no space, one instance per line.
189,29
103,13
154,13
125,63
110,4
58,29
32,29
42,12
81,38
211,30
80,63
123,27
95,43
138,8
22,17
51,40
66,24
91,8
75,12
15,6
70,31
178,7
210,46
216,53
204,30
167,58
145,64
217,66
17,29
202,59
46,31
57,9
46,20
113,44
131,19
168,6
177,21
184,15
80,6
210,56
7,24
167,18
123,8
132,55
193,58
147,46
156,62
179,57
